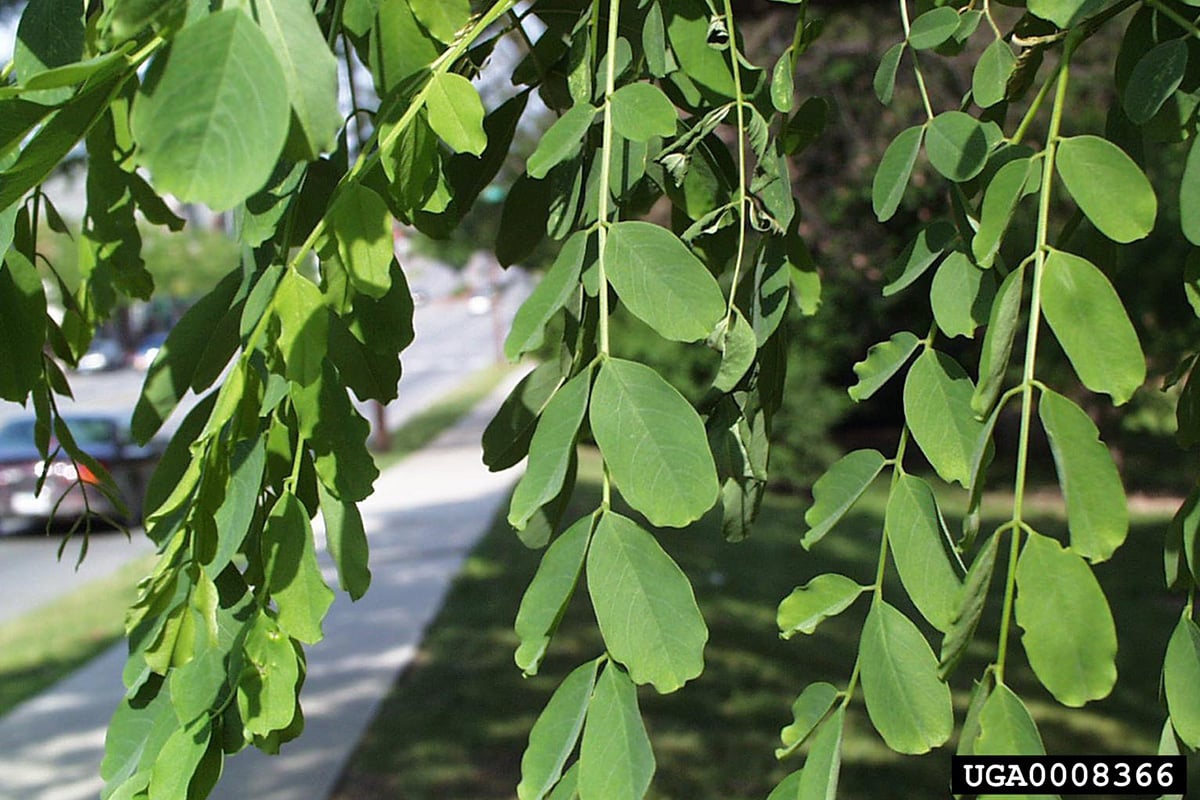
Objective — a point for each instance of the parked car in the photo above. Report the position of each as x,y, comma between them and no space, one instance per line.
147,349
70,490
103,354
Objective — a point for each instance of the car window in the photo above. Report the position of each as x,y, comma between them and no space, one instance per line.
91,431
17,433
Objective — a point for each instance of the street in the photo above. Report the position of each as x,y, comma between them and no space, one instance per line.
450,345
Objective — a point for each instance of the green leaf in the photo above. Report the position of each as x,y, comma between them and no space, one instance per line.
957,145
310,71
961,295
653,443
640,111
135,737
1181,681
644,605
882,362
304,327
49,35
803,127
346,541
885,74
937,405
506,438
267,691
661,282
1189,197
1069,635
914,530
837,490
933,28
1155,77
293,574
553,736
1110,188
1065,13
546,598
989,81
615,759
456,112
233,516
568,787
822,768
442,18
178,760
808,710
550,450
907,703
213,141
562,141
1006,727
1090,323
894,171
920,254
998,341
23,327
783,86
337,435
363,230
1000,200
969,606
552,293
1096,513
739,346
809,605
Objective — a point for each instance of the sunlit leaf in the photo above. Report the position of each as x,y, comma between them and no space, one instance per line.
894,170
913,527
550,450
662,282
641,111
562,141
362,227
990,77
882,362
653,443
961,295
1089,321
301,594
822,597
937,405
456,112
1069,635
555,733
615,759
885,74
957,145
180,123
1110,188
548,593
644,605
1181,681
1096,513
837,490
907,703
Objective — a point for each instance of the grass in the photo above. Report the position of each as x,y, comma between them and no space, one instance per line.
43,647
456,723
425,426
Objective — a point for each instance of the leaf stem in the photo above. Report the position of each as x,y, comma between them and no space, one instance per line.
739,110
1174,16
602,212
1028,380
916,62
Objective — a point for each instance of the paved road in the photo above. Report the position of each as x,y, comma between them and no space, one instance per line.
451,344
425,516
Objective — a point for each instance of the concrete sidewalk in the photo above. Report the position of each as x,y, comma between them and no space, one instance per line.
423,519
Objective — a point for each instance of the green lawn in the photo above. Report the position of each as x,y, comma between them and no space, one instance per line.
42,647
455,724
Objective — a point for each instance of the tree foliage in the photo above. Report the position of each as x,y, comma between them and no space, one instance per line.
660,112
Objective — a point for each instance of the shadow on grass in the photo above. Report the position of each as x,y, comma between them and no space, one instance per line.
456,723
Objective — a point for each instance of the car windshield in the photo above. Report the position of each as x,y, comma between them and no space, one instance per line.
86,430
